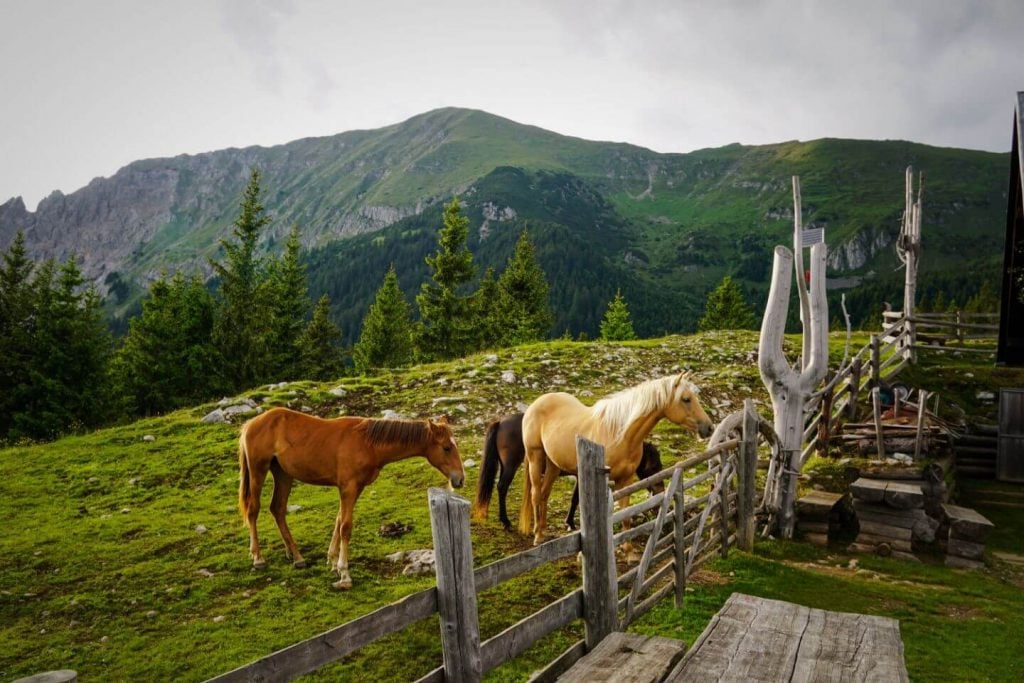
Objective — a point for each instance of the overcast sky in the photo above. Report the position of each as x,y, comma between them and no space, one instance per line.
88,87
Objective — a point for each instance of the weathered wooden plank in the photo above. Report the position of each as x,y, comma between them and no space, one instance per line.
599,586
627,658
885,530
903,496
817,505
311,654
754,639
638,508
630,574
648,604
679,546
750,639
456,587
967,549
868,490
492,574
893,543
837,646
517,638
963,563
561,664
435,676
965,523
887,515
812,527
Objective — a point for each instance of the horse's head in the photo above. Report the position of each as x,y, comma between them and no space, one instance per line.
684,407
443,454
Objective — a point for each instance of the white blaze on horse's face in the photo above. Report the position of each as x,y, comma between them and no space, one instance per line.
444,454
685,409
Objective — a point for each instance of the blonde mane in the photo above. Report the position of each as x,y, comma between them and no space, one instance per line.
621,409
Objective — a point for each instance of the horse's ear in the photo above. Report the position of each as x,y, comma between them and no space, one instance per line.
442,420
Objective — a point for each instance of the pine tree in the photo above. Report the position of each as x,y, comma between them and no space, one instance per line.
726,309
617,325
386,337
168,359
319,355
287,295
490,326
447,316
16,327
243,321
523,305
939,304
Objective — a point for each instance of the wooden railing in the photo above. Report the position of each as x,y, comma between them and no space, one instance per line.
958,330
881,359
686,532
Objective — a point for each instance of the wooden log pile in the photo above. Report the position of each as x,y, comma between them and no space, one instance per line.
819,513
891,517
965,545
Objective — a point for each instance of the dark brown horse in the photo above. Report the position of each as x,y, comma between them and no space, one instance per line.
504,451
347,452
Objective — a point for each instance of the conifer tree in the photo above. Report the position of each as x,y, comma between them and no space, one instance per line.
287,296
523,296
319,355
168,359
447,326
16,323
386,337
241,330
490,325
726,309
617,325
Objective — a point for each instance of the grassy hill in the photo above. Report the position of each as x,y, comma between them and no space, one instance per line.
125,558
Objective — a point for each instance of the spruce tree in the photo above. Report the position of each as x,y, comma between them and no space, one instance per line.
386,337
168,359
523,296
490,325
319,355
243,321
617,325
16,326
447,326
287,295
726,309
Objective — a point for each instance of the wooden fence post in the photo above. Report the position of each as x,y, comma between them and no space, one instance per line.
851,407
600,586
747,467
680,544
876,407
456,587
723,507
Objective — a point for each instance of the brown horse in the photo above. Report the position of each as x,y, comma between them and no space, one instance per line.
347,452
619,422
504,451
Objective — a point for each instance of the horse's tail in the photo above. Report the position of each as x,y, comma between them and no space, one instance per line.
244,487
526,511
488,471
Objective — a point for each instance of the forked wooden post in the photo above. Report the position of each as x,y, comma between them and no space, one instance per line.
456,587
747,467
600,594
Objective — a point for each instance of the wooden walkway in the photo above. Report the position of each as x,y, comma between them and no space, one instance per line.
755,639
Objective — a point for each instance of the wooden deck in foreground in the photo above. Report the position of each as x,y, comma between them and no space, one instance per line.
755,639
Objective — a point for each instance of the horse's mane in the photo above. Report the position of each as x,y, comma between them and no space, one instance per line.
401,432
621,409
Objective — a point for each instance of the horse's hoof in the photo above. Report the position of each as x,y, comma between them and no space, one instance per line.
259,564
299,564
343,584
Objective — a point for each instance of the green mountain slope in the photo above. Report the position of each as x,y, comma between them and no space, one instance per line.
663,227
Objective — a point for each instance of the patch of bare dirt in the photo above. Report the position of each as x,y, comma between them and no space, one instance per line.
961,612
707,577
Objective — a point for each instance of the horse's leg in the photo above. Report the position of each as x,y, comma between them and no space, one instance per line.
570,519
279,508
348,503
540,504
333,549
507,474
257,475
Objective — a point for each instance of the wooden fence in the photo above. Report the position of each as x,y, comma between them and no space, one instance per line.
879,360
958,331
685,532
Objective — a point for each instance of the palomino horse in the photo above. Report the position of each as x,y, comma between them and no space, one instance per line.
504,451
347,452
619,422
